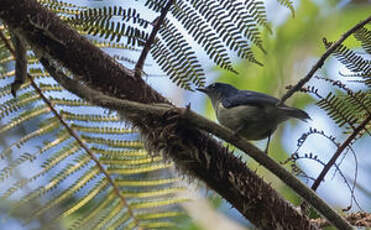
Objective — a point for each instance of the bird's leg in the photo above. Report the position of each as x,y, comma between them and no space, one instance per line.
268,142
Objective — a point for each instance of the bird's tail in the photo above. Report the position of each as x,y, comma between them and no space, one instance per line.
296,113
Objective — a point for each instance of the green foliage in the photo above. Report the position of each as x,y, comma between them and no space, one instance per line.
218,26
351,107
288,4
97,177
350,59
364,36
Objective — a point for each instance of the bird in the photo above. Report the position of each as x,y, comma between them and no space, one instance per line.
253,115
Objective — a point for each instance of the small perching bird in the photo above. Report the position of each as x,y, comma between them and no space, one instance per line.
250,114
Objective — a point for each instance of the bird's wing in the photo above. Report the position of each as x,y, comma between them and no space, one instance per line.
245,97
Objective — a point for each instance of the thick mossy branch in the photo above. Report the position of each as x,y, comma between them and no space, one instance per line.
173,118
198,157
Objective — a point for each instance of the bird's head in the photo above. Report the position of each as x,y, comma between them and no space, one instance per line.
217,90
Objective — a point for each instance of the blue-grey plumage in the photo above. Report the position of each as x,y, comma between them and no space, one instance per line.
251,114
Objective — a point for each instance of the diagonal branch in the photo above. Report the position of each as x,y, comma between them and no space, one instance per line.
359,219
321,61
338,152
188,118
156,26
132,109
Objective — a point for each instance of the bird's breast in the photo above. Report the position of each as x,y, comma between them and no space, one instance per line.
254,120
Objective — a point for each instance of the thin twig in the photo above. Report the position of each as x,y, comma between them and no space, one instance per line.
321,61
75,135
147,47
339,151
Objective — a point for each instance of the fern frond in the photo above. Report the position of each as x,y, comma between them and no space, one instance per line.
124,59
364,36
25,116
8,170
360,101
77,186
257,10
103,130
153,194
158,224
145,183
169,65
203,35
359,78
289,4
113,143
186,61
155,5
339,111
350,59
96,211
119,152
44,128
61,4
124,159
139,170
213,13
114,211
80,162
114,45
158,203
88,117
99,21
98,188
132,162
217,26
243,20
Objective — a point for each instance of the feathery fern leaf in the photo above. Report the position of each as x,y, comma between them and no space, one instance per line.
289,4
216,26
350,59
82,157
339,111
352,107
364,36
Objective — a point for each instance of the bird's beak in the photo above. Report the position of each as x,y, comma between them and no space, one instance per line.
204,90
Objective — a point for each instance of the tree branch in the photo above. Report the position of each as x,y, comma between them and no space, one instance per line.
338,152
134,109
360,219
147,47
321,61
189,118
